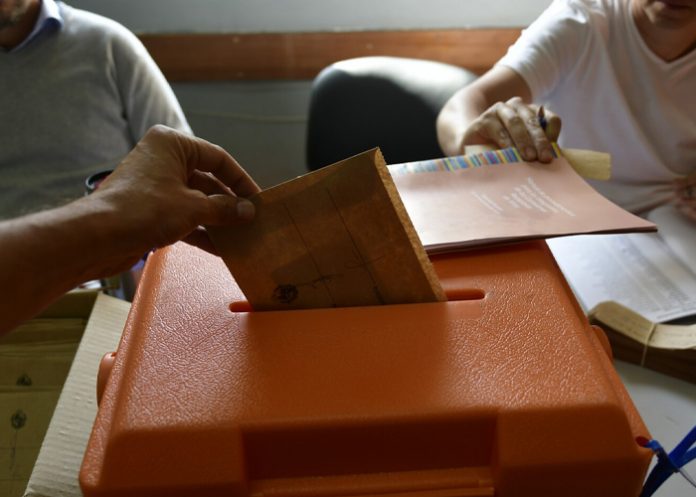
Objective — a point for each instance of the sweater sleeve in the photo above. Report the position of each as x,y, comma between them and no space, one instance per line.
145,93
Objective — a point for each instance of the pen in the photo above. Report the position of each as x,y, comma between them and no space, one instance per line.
541,117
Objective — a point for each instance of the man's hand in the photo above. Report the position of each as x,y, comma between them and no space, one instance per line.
170,185
163,191
515,124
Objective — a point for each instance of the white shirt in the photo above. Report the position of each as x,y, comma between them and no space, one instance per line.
586,60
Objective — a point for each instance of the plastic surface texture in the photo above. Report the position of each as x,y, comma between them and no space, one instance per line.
505,390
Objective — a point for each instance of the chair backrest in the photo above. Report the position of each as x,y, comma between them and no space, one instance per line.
389,102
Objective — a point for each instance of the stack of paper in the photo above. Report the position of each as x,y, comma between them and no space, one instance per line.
34,362
636,285
57,466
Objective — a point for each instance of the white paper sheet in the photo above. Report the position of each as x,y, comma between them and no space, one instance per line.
637,270
678,232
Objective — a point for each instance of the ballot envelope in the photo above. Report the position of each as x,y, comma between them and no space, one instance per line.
504,390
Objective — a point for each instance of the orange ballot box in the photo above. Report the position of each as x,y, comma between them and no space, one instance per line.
504,390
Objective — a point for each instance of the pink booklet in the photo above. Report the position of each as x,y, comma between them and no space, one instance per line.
495,197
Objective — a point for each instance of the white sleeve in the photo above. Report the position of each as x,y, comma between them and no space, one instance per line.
547,50
146,95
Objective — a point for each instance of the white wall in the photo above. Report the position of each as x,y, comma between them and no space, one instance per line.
263,124
312,15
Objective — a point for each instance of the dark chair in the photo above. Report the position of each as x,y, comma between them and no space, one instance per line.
389,102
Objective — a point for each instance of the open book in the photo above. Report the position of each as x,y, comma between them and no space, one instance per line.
496,197
632,284
653,274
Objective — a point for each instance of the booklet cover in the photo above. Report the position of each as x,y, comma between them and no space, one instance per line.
496,197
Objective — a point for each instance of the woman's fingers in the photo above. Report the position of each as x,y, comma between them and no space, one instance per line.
516,124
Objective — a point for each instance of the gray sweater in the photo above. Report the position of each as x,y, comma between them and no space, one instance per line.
73,102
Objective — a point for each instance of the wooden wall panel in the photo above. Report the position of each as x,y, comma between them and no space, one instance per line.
215,57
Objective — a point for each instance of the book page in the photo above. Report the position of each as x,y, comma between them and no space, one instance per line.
674,336
481,204
644,331
637,270
678,232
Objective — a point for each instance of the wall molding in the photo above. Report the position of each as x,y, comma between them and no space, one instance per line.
271,56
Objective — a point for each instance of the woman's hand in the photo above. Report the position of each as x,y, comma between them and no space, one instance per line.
516,124
492,111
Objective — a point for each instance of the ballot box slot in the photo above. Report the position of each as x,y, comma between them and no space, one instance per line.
452,294
463,294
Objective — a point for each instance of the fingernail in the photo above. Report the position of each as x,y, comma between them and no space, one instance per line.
546,156
530,153
245,209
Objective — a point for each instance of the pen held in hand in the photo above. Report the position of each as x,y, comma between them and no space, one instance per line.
541,117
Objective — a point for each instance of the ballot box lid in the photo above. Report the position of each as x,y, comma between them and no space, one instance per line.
503,390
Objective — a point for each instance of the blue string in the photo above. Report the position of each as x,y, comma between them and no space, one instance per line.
668,464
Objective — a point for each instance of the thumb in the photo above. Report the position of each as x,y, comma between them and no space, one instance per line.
228,209
553,126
